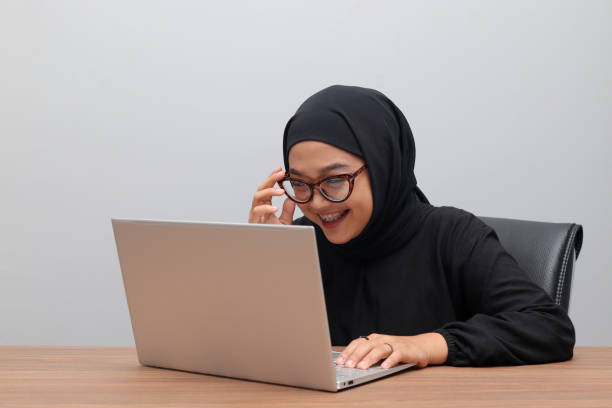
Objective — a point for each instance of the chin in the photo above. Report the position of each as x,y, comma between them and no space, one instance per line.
337,241
334,238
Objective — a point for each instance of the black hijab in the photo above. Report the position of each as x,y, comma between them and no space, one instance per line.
366,123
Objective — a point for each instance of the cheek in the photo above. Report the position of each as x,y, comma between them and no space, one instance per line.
363,208
308,213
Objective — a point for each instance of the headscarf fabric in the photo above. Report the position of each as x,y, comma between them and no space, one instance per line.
366,123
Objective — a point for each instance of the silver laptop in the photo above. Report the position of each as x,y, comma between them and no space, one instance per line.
235,300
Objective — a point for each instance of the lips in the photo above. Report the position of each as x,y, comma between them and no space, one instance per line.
331,220
332,217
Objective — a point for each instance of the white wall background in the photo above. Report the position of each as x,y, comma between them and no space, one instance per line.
175,110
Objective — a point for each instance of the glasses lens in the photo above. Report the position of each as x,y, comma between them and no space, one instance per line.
336,189
296,190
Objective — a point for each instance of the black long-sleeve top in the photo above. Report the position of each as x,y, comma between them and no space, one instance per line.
456,279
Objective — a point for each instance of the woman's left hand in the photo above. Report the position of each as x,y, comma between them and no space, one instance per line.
422,349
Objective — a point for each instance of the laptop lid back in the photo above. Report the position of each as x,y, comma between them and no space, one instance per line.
237,300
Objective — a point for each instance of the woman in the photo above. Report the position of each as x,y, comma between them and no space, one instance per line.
404,281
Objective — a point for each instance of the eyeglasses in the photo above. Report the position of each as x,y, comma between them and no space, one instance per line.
334,188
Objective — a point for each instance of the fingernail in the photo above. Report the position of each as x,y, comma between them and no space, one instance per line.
385,365
339,360
350,363
275,208
363,365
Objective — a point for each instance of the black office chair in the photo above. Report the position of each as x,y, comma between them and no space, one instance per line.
546,251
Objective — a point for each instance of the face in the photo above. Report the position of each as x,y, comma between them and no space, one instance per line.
311,161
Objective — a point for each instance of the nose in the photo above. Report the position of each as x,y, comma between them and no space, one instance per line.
318,201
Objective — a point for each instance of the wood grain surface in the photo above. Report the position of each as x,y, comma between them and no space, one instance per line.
112,377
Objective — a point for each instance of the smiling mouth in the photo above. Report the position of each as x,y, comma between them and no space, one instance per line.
333,220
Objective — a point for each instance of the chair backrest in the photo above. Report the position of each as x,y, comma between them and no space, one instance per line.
546,251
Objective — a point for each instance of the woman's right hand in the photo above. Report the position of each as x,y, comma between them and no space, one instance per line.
262,210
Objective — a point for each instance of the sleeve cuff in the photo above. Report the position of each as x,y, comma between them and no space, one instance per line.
455,357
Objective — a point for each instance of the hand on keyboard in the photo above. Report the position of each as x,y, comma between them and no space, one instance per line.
423,349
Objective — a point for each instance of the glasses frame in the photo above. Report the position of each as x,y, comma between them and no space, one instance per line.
312,186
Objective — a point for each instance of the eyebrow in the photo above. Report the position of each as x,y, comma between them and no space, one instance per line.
324,170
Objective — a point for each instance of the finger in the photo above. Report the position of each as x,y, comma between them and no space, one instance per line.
374,356
407,355
371,340
286,216
259,213
394,359
360,351
265,196
264,209
353,345
348,350
272,178
276,170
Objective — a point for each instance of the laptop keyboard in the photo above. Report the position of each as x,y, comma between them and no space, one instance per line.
347,374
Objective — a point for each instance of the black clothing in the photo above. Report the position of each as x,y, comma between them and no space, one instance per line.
417,268
454,278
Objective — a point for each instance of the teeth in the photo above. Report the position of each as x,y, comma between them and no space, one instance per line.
332,217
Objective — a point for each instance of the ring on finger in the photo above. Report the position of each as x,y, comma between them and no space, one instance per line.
390,346
364,337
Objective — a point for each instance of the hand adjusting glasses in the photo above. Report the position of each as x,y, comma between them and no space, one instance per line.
333,188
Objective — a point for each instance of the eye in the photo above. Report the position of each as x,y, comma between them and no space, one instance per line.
335,181
298,185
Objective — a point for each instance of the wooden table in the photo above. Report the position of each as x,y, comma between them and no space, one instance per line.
111,377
